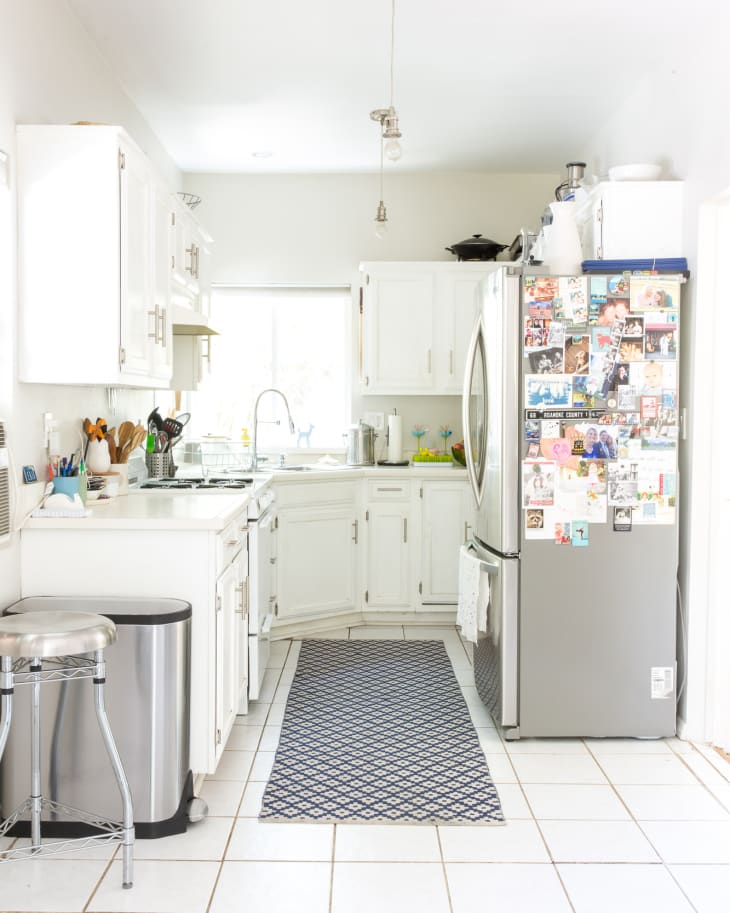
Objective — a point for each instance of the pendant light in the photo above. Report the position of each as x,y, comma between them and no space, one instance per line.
390,134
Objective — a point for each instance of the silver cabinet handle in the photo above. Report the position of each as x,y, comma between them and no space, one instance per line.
428,361
190,269
156,316
467,527
232,542
163,327
405,529
389,489
354,531
451,361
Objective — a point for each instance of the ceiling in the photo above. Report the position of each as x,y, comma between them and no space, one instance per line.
479,86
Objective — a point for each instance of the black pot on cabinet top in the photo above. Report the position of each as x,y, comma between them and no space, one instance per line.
476,248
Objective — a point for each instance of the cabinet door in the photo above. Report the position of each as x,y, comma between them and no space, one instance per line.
138,328
241,624
458,305
162,343
389,555
398,329
316,561
191,362
445,527
226,684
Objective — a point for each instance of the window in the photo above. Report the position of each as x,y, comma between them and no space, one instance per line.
294,339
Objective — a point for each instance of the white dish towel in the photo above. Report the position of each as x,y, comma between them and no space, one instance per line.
473,605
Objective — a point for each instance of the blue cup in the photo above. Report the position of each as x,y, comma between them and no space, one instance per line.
66,485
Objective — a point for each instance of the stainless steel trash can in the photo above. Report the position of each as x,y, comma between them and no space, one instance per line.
148,704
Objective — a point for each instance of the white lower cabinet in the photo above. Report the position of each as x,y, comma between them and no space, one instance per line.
383,544
316,561
446,525
204,567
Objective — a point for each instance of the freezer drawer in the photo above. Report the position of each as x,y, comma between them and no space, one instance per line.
495,656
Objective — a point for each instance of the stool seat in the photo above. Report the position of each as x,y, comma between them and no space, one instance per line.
42,634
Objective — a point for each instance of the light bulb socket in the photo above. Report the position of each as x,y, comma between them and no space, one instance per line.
381,215
391,129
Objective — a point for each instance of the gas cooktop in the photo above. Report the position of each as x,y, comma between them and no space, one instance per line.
197,484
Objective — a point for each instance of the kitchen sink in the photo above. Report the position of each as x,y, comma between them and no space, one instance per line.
294,468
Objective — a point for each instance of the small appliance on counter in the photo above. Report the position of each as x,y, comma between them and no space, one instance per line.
360,444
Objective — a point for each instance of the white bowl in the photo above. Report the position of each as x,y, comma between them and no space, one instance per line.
634,172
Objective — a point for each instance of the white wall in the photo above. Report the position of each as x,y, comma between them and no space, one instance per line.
316,230
678,118
51,73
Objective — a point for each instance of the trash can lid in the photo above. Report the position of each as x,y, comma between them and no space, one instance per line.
122,610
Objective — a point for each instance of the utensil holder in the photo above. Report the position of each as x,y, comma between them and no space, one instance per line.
158,464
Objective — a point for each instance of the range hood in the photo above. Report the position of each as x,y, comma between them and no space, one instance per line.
186,322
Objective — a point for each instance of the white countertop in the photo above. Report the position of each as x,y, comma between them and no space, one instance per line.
152,511
319,472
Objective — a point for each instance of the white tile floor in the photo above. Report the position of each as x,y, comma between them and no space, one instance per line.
592,826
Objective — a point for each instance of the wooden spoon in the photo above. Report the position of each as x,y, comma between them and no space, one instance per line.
125,433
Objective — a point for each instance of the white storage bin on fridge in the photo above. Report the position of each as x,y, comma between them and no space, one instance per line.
632,219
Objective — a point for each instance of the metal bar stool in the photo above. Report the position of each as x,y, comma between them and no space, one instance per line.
60,639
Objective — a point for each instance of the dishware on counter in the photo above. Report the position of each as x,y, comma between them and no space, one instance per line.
98,458
476,248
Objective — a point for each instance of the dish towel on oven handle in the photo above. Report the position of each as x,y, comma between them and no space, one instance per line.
473,605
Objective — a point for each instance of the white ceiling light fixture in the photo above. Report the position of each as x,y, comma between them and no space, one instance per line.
390,134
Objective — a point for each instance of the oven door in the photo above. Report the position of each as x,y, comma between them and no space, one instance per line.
260,610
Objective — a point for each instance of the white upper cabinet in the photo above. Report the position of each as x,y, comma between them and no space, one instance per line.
90,308
415,323
190,262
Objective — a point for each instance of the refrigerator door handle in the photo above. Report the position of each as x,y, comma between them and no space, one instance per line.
491,567
468,454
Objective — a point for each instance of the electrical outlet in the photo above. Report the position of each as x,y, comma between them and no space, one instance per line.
376,419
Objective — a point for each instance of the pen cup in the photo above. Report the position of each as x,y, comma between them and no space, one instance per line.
66,485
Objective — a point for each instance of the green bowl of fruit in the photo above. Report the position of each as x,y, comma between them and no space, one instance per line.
457,451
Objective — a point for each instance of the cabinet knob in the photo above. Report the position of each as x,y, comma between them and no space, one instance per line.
354,531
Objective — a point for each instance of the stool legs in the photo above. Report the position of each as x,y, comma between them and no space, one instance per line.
35,756
6,700
128,817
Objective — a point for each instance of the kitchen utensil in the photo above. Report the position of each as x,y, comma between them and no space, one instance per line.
154,418
183,418
112,446
360,444
161,442
476,248
172,427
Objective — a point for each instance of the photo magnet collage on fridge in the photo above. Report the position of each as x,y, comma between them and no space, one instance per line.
601,416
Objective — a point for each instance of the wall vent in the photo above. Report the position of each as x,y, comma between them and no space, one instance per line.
4,487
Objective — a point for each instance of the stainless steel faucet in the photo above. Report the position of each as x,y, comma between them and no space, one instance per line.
254,454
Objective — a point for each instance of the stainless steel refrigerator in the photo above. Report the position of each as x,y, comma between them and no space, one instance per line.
580,544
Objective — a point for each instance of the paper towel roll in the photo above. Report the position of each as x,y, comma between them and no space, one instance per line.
395,438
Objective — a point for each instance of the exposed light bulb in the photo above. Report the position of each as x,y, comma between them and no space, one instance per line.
381,229
393,150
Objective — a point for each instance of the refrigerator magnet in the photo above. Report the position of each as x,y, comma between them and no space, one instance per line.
562,534
622,519
579,533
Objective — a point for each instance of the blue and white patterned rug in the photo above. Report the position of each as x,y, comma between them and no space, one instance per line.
377,731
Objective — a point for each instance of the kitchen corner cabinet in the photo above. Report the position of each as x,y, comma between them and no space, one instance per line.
92,287
318,536
415,324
